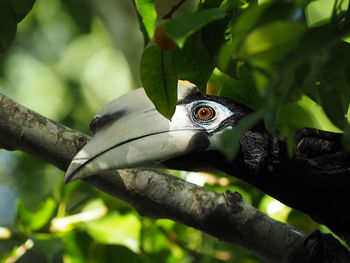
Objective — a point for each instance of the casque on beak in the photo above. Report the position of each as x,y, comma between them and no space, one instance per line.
129,132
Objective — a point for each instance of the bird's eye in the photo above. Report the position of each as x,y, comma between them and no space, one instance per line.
203,113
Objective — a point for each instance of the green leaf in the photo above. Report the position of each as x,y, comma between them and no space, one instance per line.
193,62
153,239
9,255
345,139
77,243
29,221
216,29
226,60
230,139
333,88
48,244
334,104
248,20
62,192
303,113
346,69
319,12
118,253
305,75
314,41
147,12
208,4
159,79
242,90
265,13
81,13
8,24
116,229
11,12
272,41
21,8
186,24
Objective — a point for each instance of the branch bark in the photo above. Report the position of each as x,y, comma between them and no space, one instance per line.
159,195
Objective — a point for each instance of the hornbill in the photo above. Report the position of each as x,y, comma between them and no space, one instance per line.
129,132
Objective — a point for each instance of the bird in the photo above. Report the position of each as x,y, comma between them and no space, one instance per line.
129,132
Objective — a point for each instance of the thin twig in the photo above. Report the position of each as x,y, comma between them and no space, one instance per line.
173,9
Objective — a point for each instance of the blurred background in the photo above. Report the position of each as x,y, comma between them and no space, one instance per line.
70,58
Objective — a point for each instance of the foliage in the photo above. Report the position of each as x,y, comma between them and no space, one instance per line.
270,55
288,60
11,12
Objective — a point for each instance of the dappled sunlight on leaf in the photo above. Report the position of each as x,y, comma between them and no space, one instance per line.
271,41
29,221
92,211
115,228
148,13
317,114
304,113
274,208
320,12
5,233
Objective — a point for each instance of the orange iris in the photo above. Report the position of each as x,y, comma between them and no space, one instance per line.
204,113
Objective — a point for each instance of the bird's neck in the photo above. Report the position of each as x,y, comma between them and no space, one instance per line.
259,153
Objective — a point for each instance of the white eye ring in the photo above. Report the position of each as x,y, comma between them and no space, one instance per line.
218,113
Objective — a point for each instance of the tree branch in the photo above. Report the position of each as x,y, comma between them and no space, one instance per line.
159,195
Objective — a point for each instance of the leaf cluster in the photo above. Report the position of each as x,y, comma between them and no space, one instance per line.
285,59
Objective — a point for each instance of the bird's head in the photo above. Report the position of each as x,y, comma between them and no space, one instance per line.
129,132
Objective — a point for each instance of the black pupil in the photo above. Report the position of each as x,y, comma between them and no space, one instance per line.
204,112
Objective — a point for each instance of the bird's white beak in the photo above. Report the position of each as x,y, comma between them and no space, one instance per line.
129,132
